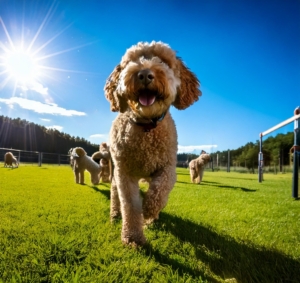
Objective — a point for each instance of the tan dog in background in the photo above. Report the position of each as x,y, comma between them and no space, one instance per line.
10,159
197,167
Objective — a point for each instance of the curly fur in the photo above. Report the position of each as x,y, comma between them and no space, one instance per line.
81,162
197,167
10,159
143,138
103,157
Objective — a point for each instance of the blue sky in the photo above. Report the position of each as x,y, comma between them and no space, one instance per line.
246,55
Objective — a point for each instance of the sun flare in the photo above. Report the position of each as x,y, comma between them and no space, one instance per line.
25,62
22,66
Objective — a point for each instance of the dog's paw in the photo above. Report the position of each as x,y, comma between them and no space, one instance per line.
150,216
115,215
149,221
133,236
134,241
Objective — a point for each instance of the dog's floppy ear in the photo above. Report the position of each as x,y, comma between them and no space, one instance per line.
117,103
188,92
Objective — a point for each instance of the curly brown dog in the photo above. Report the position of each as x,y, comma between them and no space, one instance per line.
143,138
104,159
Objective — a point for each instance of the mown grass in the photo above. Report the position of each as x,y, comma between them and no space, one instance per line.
230,226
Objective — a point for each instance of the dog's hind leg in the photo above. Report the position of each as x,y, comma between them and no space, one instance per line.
201,172
157,195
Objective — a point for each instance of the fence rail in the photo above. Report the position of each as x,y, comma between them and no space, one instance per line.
35,157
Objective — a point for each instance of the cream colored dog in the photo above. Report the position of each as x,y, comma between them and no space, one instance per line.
10,159
197,167
143,139
80,162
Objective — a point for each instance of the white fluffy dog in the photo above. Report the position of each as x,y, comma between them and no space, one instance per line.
9,160
80,162
197,167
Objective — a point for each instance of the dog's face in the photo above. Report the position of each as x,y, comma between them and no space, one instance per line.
95,179
149,79
205,157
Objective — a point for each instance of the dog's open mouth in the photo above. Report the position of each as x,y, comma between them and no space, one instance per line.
147,97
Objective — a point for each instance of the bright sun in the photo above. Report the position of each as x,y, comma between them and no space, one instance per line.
22,66
25,66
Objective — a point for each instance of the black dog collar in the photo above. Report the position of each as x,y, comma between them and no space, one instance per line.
151,125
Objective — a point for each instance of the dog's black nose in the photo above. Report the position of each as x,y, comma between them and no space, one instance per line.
145,76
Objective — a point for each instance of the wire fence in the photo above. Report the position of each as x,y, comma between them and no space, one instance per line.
39,158
35,157
273,169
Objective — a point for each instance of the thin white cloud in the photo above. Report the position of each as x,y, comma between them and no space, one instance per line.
45,120
195,148
98,136
38,107
56,127
40,88
36,87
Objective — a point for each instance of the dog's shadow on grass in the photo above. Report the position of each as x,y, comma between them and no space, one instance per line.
225,256
219,185
238,178
183,174
222,186
105,192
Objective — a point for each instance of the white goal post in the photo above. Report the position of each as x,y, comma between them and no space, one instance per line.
296,149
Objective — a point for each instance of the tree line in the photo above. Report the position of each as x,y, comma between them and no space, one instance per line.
276,151
23,135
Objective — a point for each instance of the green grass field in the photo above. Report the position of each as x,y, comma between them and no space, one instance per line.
228,229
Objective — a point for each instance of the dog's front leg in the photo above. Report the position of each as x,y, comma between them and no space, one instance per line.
192,176
115,210
76,173
131,209
81,176
157,195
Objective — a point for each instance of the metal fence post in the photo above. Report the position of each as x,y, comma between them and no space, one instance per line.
228,161
260,161
296,147
40,158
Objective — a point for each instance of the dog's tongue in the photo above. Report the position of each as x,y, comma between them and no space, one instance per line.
146,99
